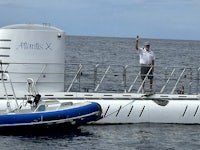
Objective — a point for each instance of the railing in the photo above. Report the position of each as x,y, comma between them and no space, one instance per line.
118,78
4,76
38,70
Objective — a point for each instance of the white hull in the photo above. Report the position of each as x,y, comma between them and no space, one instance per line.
149,112
120,110
124,108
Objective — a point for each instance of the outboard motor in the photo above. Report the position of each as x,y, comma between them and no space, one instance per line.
36,99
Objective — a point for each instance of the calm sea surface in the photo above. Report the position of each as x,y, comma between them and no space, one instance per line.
121,51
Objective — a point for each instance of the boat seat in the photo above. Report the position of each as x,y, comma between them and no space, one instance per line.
41,107
63,104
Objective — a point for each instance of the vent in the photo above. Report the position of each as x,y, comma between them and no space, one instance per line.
5,40
4,47
48,95
4,55
3,79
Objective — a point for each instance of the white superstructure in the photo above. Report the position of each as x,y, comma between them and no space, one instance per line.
33,49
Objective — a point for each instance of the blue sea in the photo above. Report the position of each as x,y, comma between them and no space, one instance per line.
116,137
101,50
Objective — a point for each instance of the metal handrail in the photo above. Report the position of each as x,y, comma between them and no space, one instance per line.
198,78
42,71
107,71
12,88
144,79
125,76
75,77
130,88
166,83
174,88
96,88
39,73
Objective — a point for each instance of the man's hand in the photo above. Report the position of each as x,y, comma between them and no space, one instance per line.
136,40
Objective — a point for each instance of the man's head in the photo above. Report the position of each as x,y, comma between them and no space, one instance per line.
147,45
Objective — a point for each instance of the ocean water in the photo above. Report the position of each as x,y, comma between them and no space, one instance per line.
118,137
120,51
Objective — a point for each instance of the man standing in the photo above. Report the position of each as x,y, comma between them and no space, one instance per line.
147,61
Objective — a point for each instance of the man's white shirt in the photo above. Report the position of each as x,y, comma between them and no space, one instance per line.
146,57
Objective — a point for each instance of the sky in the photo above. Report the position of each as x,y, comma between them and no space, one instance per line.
156,19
